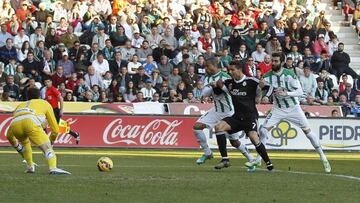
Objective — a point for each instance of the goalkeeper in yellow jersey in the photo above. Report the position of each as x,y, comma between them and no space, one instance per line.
26,128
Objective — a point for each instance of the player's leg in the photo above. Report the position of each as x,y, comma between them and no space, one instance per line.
39,138
298,118
261,150
235,142
198,130
221,129
271,120
18,139
76,135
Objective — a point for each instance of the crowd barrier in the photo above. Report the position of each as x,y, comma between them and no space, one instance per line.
159,131
162,109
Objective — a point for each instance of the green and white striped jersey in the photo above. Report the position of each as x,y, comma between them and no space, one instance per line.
223,101
288,81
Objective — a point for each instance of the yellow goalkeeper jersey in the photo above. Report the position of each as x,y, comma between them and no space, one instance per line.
40,111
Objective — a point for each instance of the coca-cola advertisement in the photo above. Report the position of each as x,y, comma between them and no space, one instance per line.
122,131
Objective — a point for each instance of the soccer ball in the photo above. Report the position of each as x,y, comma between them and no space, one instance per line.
105,164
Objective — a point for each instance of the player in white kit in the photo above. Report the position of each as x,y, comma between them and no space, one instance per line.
286,106
222,108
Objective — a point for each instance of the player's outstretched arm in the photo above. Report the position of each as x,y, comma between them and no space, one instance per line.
50,116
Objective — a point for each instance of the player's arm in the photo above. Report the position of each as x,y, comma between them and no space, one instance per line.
298,91
220,87
50,116
263,85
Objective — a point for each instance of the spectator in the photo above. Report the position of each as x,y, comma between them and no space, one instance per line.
328,82
130,93
295,55
58,77
173,97
67,64
305,43
165,67
92,53
197,91
356,106
250,68
322,64
333,45
8,51
335,113
127,51
190,77
20,38
137,40
190,98
48,63
101,65
220,43
320,45
321,94
116,65
174,78
69,38
156,79
140,77
265,66
118,38
11,88
93,78
144,51
235,42
259,54
340,61
272,45
35,37
148,91
123,79
251,41
69,97
345,105
349,93
308,82
139,97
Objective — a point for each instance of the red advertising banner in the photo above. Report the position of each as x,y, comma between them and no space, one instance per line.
199,109
122,131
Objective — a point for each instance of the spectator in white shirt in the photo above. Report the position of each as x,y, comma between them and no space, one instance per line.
148,91
259,54
101,65
20,38
133,65
4,35
137,40
35,37
308,81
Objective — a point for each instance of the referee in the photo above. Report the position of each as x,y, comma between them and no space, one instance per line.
53,96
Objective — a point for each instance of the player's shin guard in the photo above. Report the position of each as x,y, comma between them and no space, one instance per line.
316,144
28,153
261,150
221,141
51,158
201,138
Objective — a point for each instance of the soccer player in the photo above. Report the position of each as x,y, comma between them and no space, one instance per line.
26,128
53,96
243,91
223,108
286,105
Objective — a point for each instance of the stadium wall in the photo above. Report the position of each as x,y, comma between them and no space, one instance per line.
159,131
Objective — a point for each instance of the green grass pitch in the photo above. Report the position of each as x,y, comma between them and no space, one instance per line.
172,176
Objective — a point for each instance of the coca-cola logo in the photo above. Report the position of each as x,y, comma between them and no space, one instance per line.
4,126
157,132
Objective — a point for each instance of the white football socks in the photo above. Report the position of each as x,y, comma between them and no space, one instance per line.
316,144
201,138
243,149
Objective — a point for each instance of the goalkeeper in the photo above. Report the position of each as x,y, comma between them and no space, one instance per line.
26,128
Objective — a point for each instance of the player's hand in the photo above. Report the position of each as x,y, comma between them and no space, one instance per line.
61,112
280,92
262,83
220,84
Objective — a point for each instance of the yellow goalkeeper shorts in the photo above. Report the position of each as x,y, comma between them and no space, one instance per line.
26,126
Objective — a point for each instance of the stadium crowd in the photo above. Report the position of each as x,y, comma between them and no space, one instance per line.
134,50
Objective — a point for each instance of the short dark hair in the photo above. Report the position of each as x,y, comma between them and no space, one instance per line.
277,54
238,65
33,93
